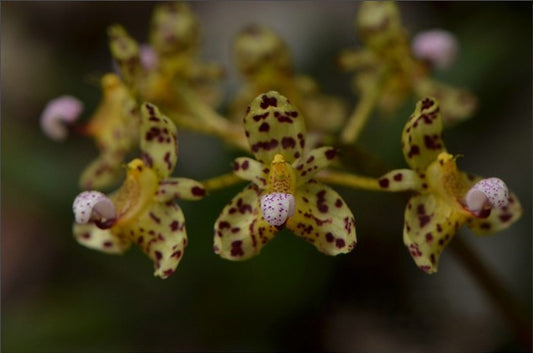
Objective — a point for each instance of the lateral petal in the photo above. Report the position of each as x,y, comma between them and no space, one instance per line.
323,219
240,230
104,240
160,233
430,224
250,169
179,188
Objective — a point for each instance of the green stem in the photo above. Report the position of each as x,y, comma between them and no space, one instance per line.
221,182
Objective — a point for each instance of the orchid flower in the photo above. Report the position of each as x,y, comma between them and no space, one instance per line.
142,210
445,197
282,192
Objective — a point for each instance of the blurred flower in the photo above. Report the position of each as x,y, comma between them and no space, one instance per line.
142,210
388,71
264,60
446,197
437,46
283,191
58,112
115,128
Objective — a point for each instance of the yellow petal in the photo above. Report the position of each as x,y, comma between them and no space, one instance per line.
499,218
323,219
102,172
125,51
274,126
174,31
159,141
240,230
421,137
308,165
430,223
401,180
136,193
179,188
250,169
160,233
456,104
115,123
91,236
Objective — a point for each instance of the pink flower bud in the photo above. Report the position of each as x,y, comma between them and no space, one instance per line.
277,207
488,193
64,109
94,206
148,56
437,46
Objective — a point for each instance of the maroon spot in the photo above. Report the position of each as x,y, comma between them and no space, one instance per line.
235,166
236,248
485,225
235,230
429,237
150,109
439,228
268,102
245,165
310,159
432,142
224,224
414,151
167,160
147,159
86,235
329,237
398,177
432,259
282,118
266,145
338,203
505,217
260,116
427,103
176,254
330,154
155,218
288,142
301,140
339,243
198,191
384,182
264,127
320,202
174,226
168,272
158,255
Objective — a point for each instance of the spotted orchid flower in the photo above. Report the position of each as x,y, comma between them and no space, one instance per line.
264,60
445,197
115,128
142,211
282,191
388,68
153,70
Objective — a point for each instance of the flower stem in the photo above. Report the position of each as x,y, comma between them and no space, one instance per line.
221,182
495,290
362,112
350,180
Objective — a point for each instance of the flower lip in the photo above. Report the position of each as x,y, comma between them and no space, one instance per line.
59,111
94,206
277,207
486,194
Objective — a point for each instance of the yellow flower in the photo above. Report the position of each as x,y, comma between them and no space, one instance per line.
283,191
142,210
387,61
445,197
264,60
115,128
153,71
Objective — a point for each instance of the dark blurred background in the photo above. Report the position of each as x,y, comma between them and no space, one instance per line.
58,296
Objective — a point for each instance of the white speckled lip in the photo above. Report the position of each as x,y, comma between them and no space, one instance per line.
93,205
491,192
277,207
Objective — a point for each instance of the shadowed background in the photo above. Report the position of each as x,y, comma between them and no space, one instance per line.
59,296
